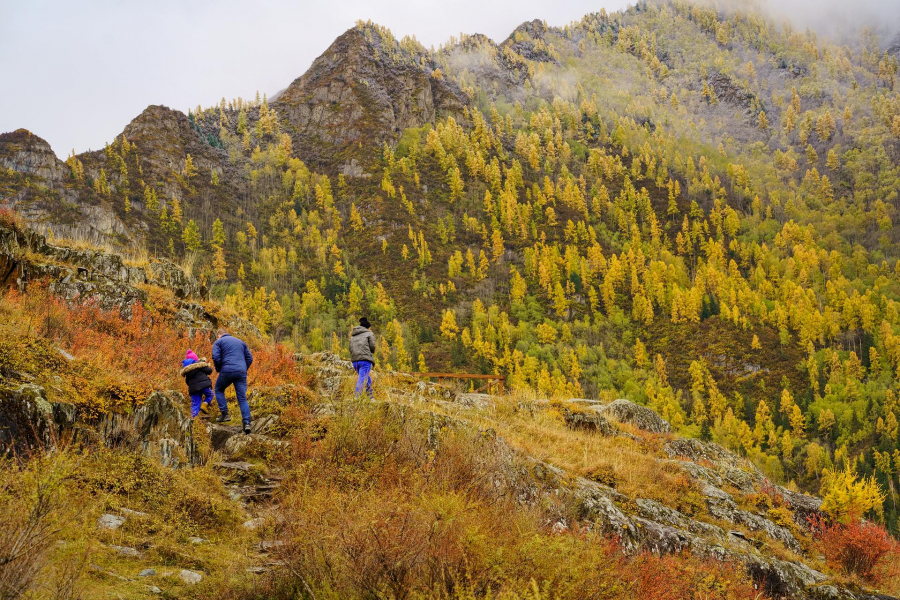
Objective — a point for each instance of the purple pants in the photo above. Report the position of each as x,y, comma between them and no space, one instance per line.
197,399
363,367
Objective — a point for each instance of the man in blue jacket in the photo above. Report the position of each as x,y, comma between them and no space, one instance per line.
232,358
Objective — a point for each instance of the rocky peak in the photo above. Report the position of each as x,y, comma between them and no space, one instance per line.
534,29
528,41
475,41
164,137
501,65
57,199
27,153
366,87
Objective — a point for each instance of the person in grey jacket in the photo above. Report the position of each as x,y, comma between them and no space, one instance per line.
362,354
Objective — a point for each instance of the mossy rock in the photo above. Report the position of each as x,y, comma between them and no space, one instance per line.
26,420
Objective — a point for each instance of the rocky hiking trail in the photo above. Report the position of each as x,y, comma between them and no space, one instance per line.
736,514
253,486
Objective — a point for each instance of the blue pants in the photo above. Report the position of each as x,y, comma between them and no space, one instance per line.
196,399
239,380
364,380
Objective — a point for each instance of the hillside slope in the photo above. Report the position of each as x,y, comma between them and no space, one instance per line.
425,491
686,207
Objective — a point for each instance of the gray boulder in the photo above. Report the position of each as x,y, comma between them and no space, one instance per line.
626,411
589,420
190,577
474,400
109,521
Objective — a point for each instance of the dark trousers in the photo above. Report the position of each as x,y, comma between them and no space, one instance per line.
239,380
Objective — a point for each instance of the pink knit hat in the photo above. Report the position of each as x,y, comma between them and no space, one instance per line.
191,354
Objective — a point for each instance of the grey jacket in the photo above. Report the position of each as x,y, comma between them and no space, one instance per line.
362,345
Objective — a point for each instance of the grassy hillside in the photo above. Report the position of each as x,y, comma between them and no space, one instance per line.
422,493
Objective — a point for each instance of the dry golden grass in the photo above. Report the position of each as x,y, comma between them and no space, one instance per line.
132,255
536,428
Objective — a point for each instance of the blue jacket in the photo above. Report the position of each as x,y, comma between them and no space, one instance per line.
231,354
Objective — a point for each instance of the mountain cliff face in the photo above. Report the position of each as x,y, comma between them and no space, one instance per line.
40,186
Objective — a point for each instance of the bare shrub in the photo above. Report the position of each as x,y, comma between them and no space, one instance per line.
34,507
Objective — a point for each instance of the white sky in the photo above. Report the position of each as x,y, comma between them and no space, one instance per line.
76,72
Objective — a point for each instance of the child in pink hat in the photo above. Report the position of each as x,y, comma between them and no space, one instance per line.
196,372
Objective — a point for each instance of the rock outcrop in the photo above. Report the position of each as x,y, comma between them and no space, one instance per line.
40,188
365,88
105,278
26,255
26,420
626,411
157,428
528,42
29,154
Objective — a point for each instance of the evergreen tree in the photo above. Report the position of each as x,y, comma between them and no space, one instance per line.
191,237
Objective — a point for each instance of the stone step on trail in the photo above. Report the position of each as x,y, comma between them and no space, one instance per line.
253,493
220,434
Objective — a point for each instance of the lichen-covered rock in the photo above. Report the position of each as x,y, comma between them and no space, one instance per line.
108,521
159,427
782,579
240,472
190,577
589,420
26,420
473,400
63,414
654,511
699,451
254,445
429,390
626,411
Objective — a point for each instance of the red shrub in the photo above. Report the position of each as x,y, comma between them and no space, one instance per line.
9,217
124,358
857,549
680,577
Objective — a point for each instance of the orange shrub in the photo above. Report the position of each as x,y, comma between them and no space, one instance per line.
10,218
120,360
674,577
857,548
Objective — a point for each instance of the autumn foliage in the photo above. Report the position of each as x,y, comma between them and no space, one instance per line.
117,357
859,548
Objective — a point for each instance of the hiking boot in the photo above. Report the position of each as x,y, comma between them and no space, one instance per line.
223,417
204,408
247,427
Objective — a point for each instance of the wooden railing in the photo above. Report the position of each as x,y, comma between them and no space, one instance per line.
489,386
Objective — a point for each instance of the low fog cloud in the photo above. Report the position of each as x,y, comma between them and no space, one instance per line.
838,18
